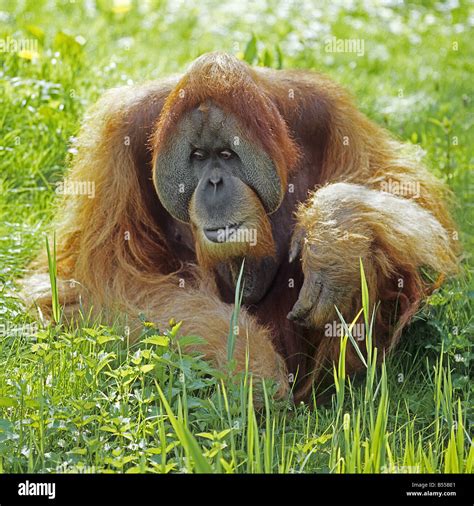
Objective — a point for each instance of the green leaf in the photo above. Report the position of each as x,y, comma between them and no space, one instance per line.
78,451
32,403
267,58
175,329
8,402
157,340
235,314
223,433
250,53
36,31
6,431
107,428
436,122
67,42
147,368
348,332
206,435
91,332
186,439
105,339
365,294
279,56
53,274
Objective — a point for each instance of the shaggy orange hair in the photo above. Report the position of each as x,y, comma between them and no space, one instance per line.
118,250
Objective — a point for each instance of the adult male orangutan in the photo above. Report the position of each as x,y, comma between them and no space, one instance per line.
193,174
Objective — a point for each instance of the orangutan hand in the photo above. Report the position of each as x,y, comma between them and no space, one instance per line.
330,240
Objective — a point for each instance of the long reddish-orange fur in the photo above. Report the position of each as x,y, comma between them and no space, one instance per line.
117,250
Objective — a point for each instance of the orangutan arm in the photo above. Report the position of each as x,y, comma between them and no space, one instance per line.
342,223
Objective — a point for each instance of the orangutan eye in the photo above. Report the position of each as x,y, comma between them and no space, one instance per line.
226,154
199,154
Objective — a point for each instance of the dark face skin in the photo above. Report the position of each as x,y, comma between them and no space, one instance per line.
217,193
223,176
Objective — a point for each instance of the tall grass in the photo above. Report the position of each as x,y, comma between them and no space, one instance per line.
150,407
53,276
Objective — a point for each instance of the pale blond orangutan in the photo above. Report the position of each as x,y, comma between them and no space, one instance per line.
186,169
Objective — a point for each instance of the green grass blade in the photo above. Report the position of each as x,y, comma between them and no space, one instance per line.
348,332
53,276
235,314
186,439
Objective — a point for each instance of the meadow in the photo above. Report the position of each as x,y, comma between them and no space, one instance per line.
82,398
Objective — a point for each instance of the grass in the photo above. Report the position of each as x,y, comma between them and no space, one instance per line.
82,398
